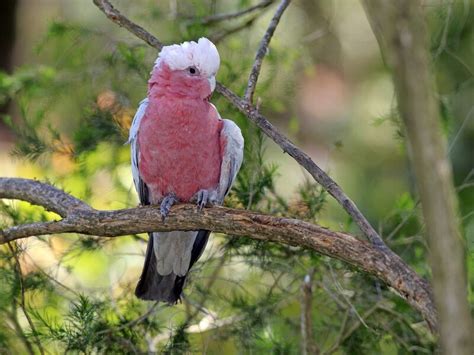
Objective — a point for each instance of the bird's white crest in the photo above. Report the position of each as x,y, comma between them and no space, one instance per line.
202,54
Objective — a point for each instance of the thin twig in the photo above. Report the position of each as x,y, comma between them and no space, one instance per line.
353,328
444,36
133,322
51,278
19,330
275,283
219,36
208,286
113,14
14,252
342,329
262,51
233,15
341,290
308,343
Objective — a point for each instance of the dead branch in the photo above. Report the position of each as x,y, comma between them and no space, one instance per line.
386,266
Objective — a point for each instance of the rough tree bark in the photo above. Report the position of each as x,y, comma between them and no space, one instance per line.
400,29
79,217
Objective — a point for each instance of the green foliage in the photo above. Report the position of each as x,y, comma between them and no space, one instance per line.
79,330
98,126
255,180
89,327
179,341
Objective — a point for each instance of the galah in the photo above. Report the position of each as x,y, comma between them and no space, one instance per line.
181,151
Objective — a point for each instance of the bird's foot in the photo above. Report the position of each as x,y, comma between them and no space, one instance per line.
166,204
205,198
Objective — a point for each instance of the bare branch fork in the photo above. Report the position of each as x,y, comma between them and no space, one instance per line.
376,259
78,217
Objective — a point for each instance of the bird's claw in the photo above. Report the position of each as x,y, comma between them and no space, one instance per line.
204,198
165,206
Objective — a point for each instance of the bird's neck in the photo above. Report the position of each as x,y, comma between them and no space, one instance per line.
174,111
166,83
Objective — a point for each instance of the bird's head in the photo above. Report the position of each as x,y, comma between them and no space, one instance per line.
187,69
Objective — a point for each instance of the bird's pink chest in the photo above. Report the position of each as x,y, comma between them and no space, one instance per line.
180,149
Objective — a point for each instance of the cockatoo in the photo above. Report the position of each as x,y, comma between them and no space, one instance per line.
181,151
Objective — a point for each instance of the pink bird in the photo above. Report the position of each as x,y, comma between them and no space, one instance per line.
181,151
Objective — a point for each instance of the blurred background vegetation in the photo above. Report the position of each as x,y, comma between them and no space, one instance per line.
70,83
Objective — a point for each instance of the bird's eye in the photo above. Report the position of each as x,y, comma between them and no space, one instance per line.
192,70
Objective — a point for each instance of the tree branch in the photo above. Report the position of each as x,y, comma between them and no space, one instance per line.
381,264
230,16
220,35
38,193
113,14
308,343
14,251
262,51
306,162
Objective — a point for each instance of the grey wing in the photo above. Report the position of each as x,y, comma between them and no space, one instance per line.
140,186
233,154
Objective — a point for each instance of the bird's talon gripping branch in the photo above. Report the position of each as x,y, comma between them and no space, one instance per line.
166,205
204,198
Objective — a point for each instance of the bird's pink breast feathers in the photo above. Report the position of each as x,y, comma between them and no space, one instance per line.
180,147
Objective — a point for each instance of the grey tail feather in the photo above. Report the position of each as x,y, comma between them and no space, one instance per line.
155,287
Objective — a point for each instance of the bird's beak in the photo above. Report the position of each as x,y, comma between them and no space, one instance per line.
212,82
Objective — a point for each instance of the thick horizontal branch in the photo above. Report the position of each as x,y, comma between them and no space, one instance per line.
387,267
41,194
